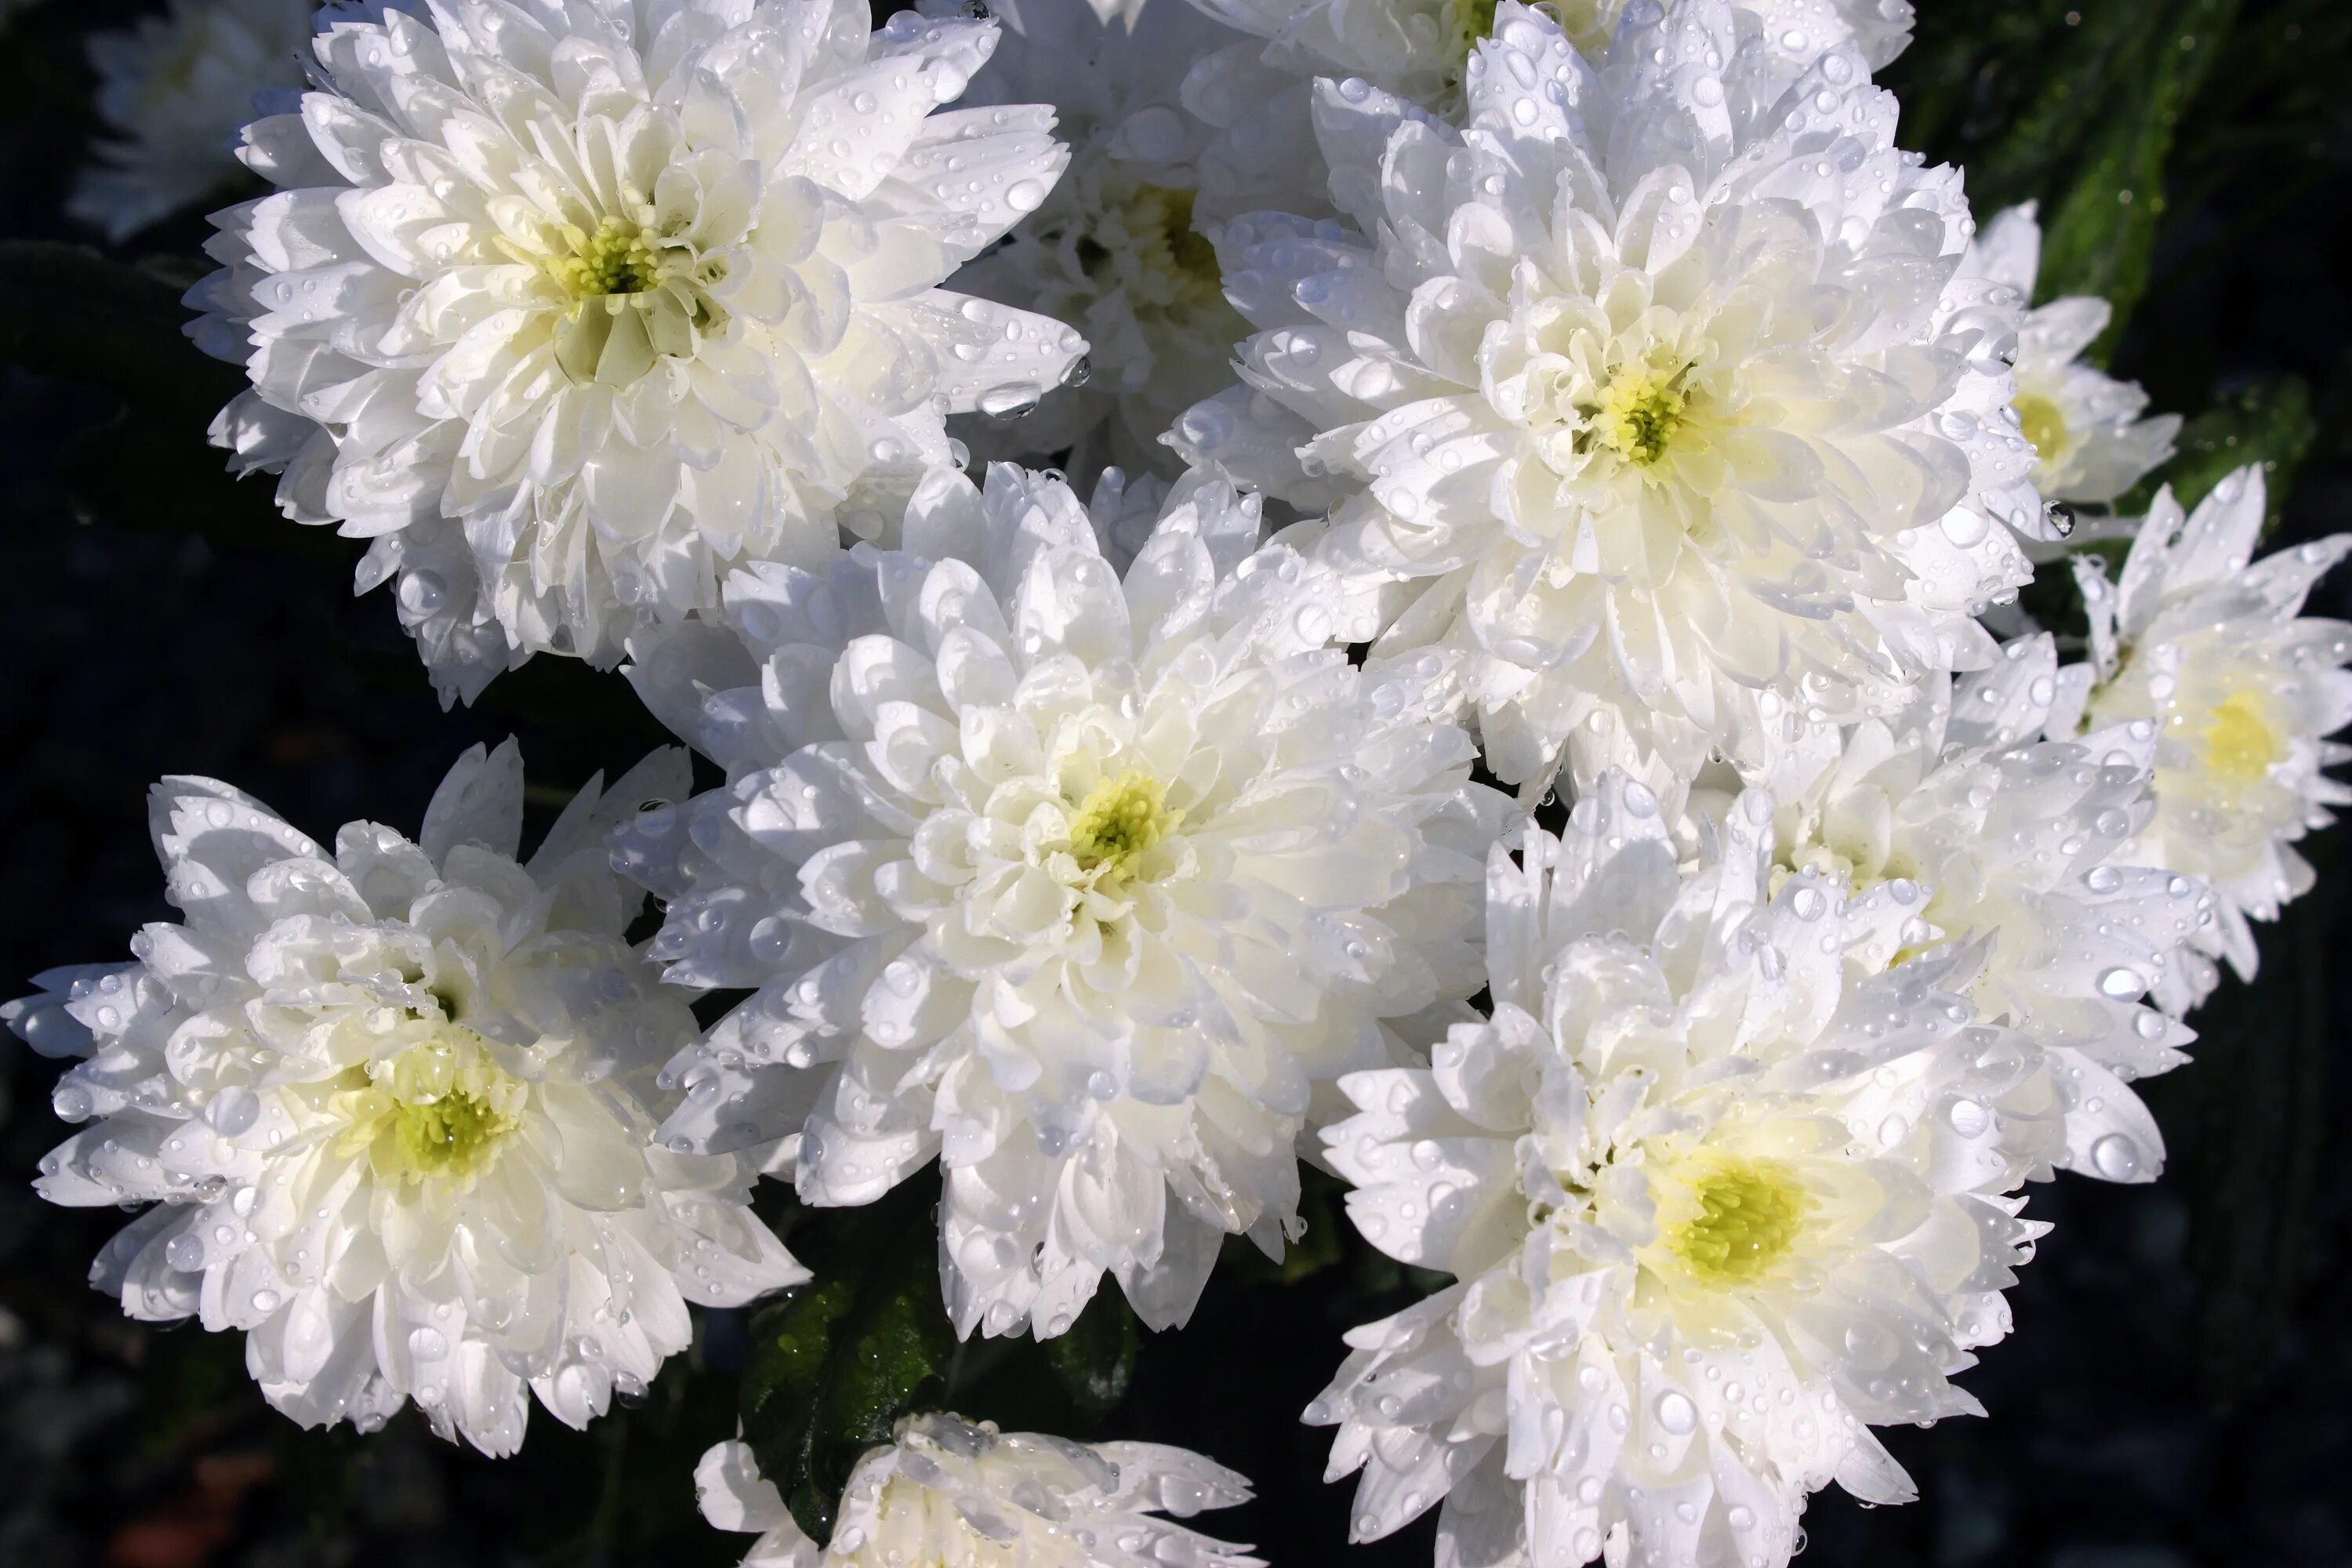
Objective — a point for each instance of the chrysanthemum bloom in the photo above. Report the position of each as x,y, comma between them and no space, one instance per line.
1078,884
395,1104
1955,821
1114,251
1713,1208
1661,403
571,305
944,1493
173,90
2244,692
2089,441
1259,95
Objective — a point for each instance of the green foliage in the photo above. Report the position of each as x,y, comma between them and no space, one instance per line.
2270,423
835,1363
1096,1360
2074,103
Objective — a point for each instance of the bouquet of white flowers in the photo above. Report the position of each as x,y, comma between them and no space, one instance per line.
1499,642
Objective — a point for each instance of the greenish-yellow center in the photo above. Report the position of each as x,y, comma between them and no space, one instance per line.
2044,422
2240,744
1638,414
1119,819
615,259
439,1110
1749,1215
455,1134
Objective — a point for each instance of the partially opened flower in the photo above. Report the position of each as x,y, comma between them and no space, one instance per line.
945,1493
394,1102
1077,883
1955,821
1114,251
1713,1206
2090,443
2208,645
572,307
1656,394
175,89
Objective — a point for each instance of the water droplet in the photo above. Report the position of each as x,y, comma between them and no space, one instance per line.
2122,984
2116,1157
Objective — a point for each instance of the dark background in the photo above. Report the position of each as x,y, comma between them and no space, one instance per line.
2179,1388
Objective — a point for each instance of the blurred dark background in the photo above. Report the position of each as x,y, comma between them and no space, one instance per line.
2179,1390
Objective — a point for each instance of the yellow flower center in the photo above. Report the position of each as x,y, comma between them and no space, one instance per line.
1119,820
2239,742
439,1110
615,259
1639,414
2044,422
1749,1215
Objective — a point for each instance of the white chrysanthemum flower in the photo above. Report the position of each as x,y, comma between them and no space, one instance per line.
1259,95
1713,1208
2085,426
175,89
1113,251
1077,884
571,305
395,1104
2244,692
1955,820
944,1493
1656,392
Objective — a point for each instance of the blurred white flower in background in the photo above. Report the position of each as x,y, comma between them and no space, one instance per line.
175,89
1714,1208
946,1493
570,315
394,1103
1079,884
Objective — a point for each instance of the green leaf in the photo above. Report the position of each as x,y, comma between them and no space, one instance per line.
2270,423
1096,1360
2110,125
2076,103
836,1363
